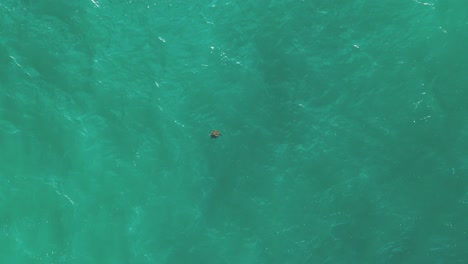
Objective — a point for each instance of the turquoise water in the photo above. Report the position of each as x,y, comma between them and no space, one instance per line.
344,131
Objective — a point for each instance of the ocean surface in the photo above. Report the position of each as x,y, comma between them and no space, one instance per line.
344,131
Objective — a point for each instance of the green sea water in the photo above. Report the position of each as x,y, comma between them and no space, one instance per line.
344,131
